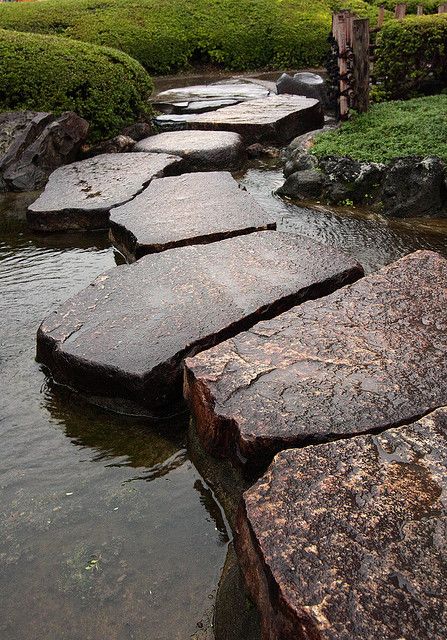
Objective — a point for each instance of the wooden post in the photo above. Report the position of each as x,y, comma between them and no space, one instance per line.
420,10
442,8
360,50
381,16
400,10
340,33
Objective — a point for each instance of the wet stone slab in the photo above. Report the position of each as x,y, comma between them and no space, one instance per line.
194,208
347,539
368,357
272,120
200,150
124,338
80,195
200,98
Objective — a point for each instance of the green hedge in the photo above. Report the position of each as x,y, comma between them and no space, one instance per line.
165,35
409,52
390,130
48,73
430,6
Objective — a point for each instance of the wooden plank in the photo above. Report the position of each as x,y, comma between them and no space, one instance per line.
442,8
420,10
400,11
360,50
341,32
381,16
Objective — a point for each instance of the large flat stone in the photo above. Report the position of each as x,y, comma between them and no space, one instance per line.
80,195
195,208
272,120
199,98
348,539
368,357
126,335
200,150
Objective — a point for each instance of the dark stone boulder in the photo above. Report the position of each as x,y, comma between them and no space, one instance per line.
306,184
300,161
118,144
367,357
348,179
303,83
346,540
33,145
137,131
413,187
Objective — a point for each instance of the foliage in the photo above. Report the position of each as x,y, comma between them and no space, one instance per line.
168,34
48,73
389,130
409,52
430,6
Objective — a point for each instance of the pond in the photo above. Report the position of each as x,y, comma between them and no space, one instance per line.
107,530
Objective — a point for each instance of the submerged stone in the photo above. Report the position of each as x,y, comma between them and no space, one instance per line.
347,539
200,150
272,120
124,338
194,208
199,98
370,356
80,195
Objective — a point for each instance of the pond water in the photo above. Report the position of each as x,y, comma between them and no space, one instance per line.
106,528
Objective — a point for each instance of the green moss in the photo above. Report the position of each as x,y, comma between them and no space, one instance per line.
168,34
415,127
48,73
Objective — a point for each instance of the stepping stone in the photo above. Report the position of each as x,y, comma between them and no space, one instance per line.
199,98
200,150
125,336
80,195
368,357
272,120
195,208
347,540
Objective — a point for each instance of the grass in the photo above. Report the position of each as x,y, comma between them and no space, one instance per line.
416,127
165,35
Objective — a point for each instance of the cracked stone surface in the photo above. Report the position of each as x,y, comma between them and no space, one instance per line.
368,357
200,150
348,539
124,338
194,208
199,98
80,195
272,120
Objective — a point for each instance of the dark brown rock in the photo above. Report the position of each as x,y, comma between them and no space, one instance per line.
347,539
137,131
200,150
195,208
33,145
368,357
272,120
126,335
80,195
118,144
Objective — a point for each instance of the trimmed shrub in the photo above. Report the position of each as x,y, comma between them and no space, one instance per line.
410,52
430,6
390,130
48,73
165,35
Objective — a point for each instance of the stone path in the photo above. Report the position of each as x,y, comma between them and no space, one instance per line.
80,195
200,98
347,540
125,336
272,120
368,357
194,208
200,150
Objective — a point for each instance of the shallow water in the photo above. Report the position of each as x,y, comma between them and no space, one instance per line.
106,528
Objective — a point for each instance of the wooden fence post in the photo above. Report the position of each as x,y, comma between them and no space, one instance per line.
442,8
420,10
400,10
340,29
360,50
381,16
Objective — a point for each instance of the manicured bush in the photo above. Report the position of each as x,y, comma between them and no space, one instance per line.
168,34
410,52
430,6
49,73
390,130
